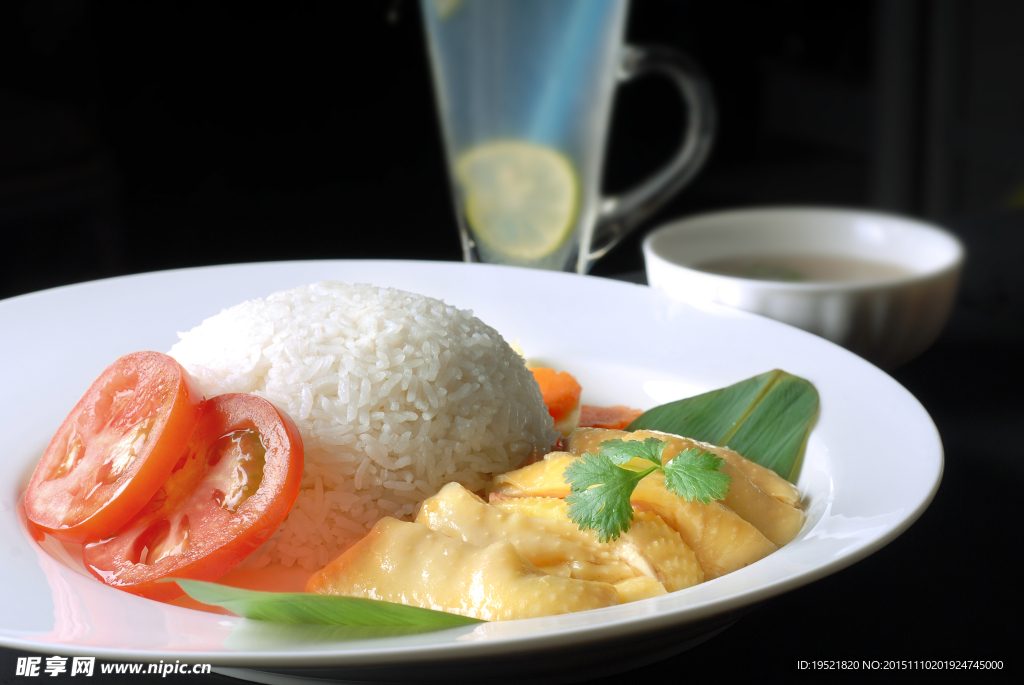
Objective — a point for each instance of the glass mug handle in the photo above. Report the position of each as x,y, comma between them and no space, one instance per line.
618,215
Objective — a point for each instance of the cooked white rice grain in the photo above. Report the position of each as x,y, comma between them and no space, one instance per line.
395,394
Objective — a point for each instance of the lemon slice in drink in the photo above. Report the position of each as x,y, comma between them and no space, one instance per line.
521,198
445,8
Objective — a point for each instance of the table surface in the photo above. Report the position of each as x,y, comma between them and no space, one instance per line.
941,591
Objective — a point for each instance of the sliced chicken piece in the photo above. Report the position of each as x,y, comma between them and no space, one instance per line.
411,564
652,547
778,521
640,587
554,545
721,539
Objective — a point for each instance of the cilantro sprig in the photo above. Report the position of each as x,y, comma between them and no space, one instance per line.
600,489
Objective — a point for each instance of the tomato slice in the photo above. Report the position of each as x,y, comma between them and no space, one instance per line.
115,448
232,487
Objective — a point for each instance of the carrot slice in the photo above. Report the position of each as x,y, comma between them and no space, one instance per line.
615,418
561,392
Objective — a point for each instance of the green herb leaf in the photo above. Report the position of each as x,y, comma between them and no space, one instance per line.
599,495
599,489
624,451
693,475
311,608
766,418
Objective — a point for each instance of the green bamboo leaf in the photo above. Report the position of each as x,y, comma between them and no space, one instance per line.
311,608
774,432
709,417
766,418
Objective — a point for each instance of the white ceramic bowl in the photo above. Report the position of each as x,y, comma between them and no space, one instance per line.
888,320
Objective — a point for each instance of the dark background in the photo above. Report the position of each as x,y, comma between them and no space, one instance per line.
153,135
147,135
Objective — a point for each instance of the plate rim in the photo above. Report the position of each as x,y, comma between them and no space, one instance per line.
482,648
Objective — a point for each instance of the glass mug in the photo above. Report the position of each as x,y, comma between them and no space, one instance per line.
524,89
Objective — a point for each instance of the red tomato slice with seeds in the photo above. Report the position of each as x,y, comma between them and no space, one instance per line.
115,448
230,490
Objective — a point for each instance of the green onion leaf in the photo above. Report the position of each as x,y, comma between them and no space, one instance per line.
311,608
766,418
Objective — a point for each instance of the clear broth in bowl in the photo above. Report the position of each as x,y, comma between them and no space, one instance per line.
805,268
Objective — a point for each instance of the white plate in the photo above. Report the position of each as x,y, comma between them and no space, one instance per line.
873,462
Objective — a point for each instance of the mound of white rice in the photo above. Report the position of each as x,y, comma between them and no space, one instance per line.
395,394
